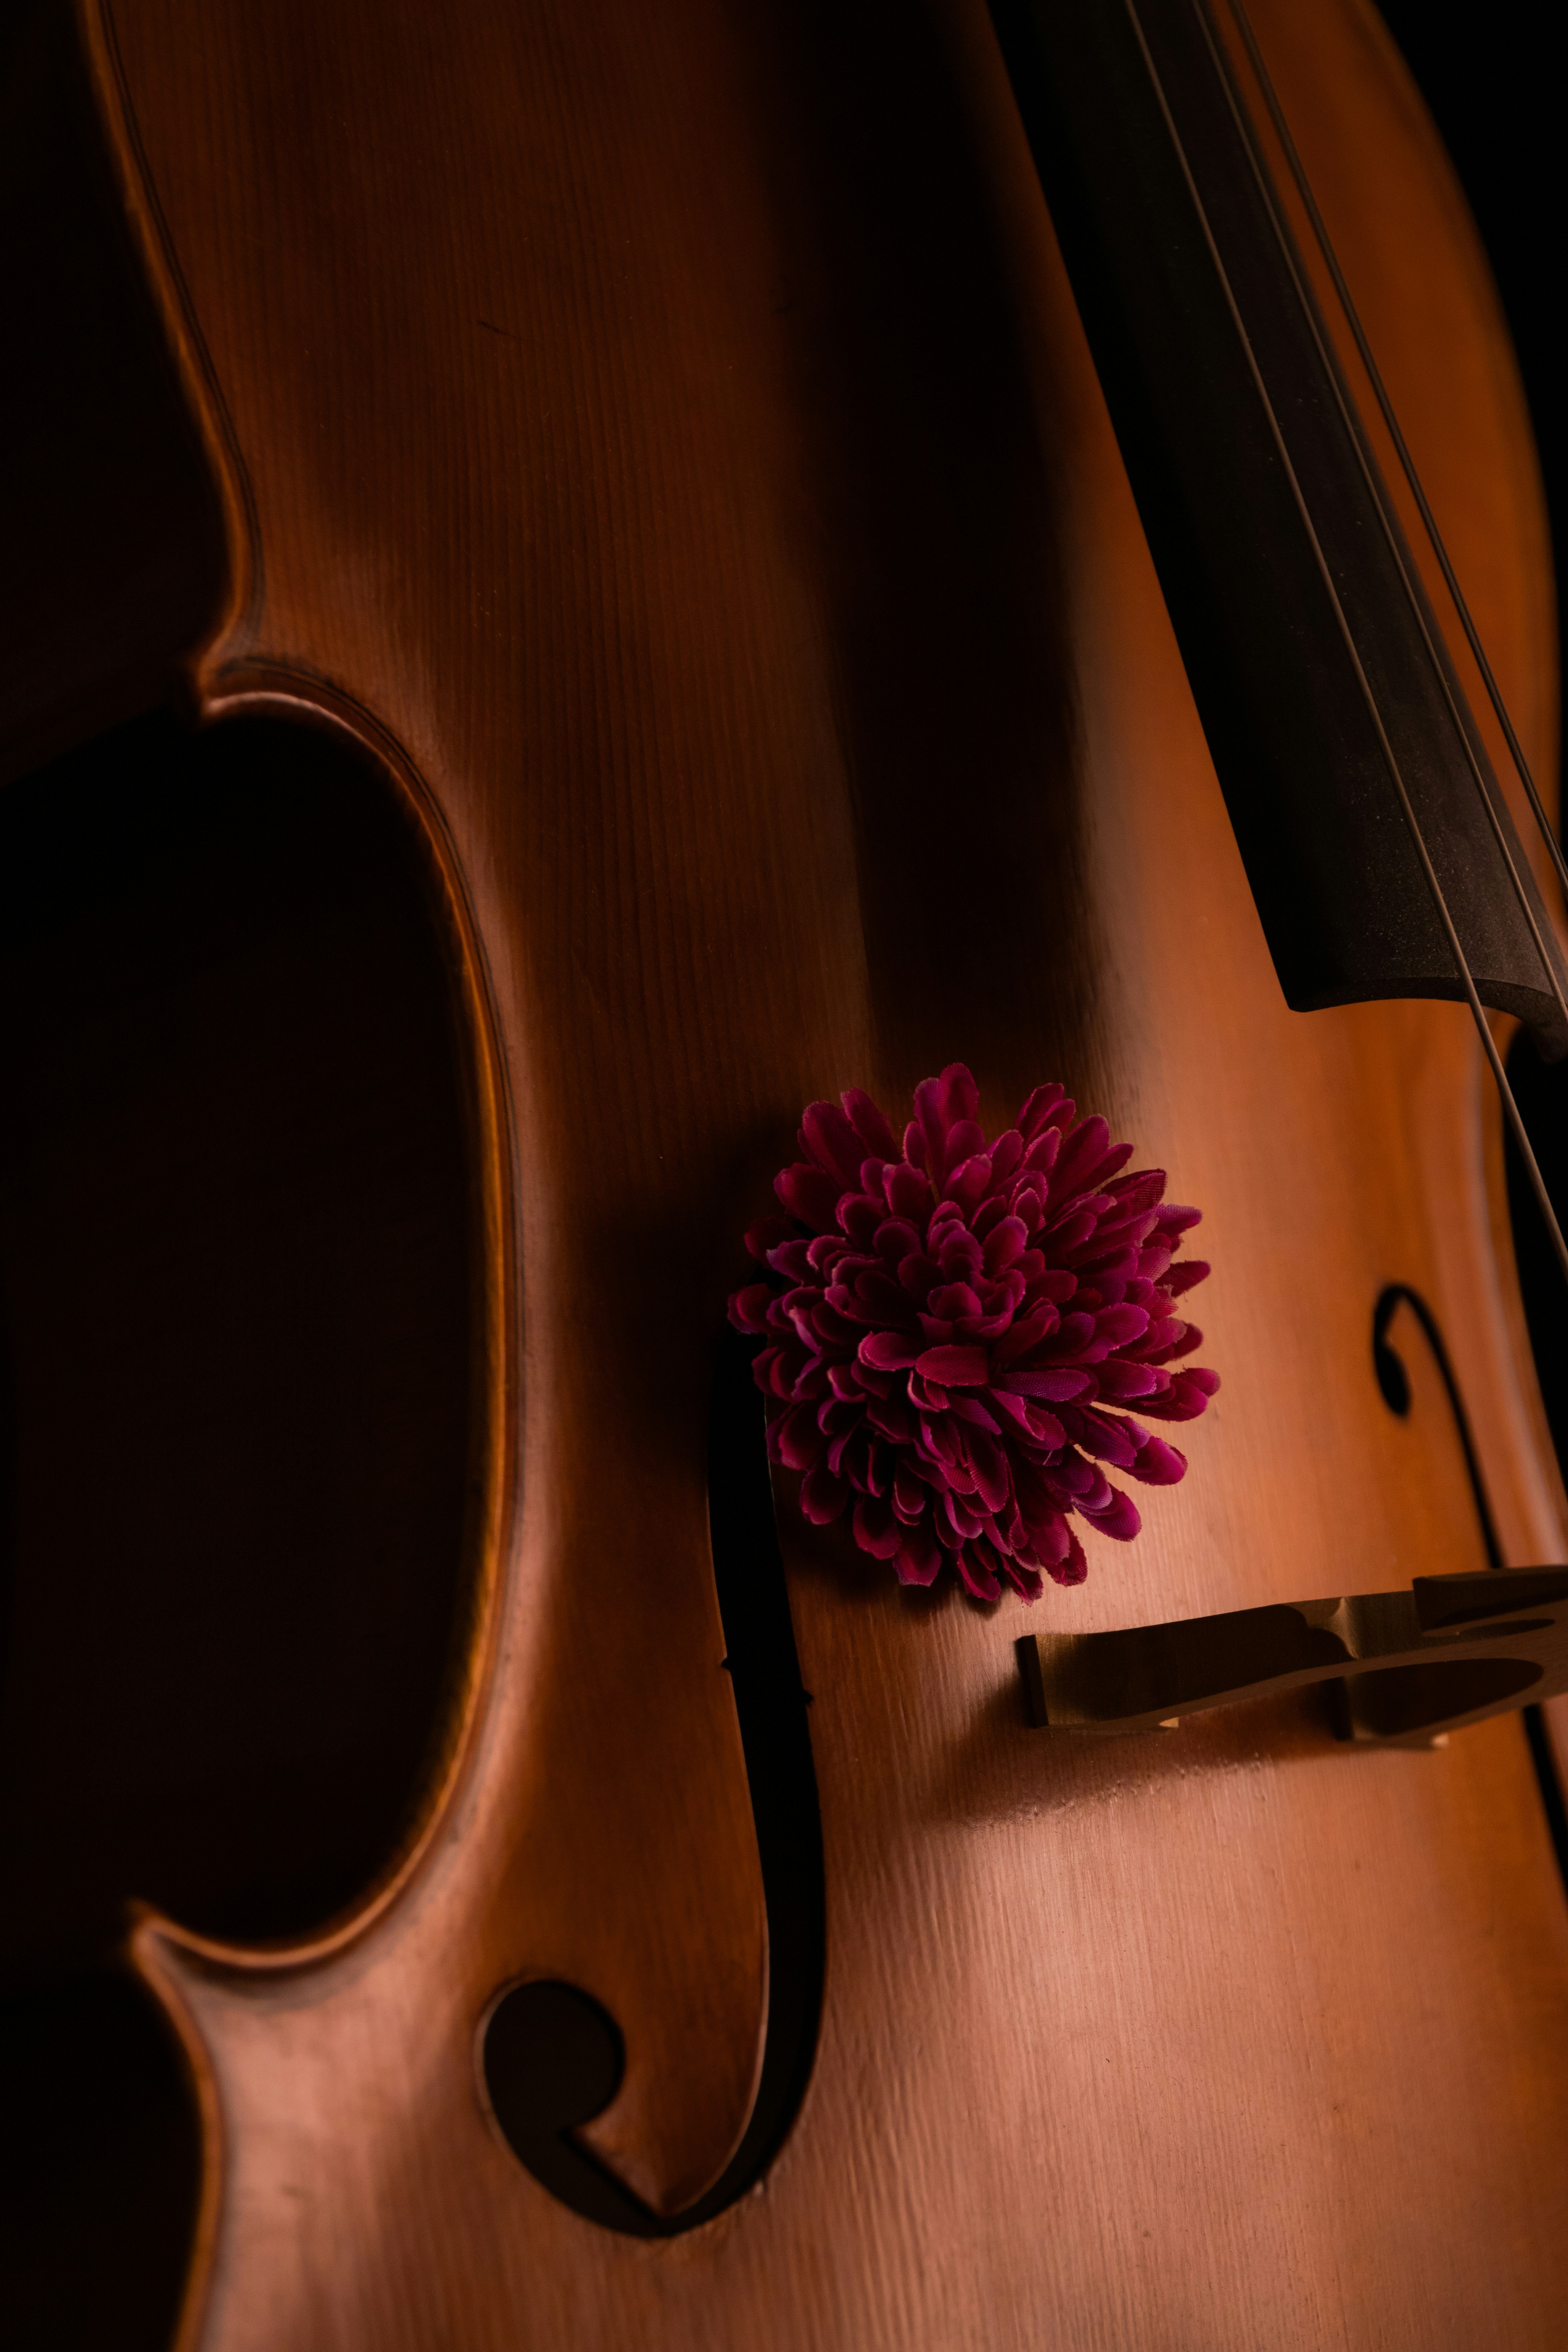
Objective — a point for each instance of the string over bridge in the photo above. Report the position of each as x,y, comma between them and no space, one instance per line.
1411,1665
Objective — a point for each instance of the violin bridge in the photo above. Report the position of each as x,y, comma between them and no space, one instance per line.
1410,1666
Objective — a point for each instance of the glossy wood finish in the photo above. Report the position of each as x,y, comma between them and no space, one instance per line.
666,441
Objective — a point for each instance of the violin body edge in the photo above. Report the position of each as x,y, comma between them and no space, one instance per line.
629,631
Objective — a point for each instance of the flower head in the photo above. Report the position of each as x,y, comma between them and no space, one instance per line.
953,1327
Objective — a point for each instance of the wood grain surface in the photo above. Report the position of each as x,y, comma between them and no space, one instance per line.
664,438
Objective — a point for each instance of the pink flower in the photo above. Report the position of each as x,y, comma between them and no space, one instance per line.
953,1328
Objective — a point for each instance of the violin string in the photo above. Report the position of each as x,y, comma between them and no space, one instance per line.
1347,409
1407,463
1462,964
1424,622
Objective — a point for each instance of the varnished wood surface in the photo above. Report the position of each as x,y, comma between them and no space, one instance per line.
667,440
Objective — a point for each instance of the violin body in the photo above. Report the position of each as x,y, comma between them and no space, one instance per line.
663,447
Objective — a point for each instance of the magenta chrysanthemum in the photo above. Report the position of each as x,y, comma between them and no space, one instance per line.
953,1326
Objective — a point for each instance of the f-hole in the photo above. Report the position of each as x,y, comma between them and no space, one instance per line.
552,2057
1395,1384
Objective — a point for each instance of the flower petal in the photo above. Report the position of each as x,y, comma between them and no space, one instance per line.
749,1307
1073,1568
889,1351
978,1577
930,1300
1159,1464
822,1496
1057,1384
869,1124
919,1556
810,1194
1119,1518
876,1528
767,1235
798,1438
954,1368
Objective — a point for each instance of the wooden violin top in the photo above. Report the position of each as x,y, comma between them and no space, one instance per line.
663,446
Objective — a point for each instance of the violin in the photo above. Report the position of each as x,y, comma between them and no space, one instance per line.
636,576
